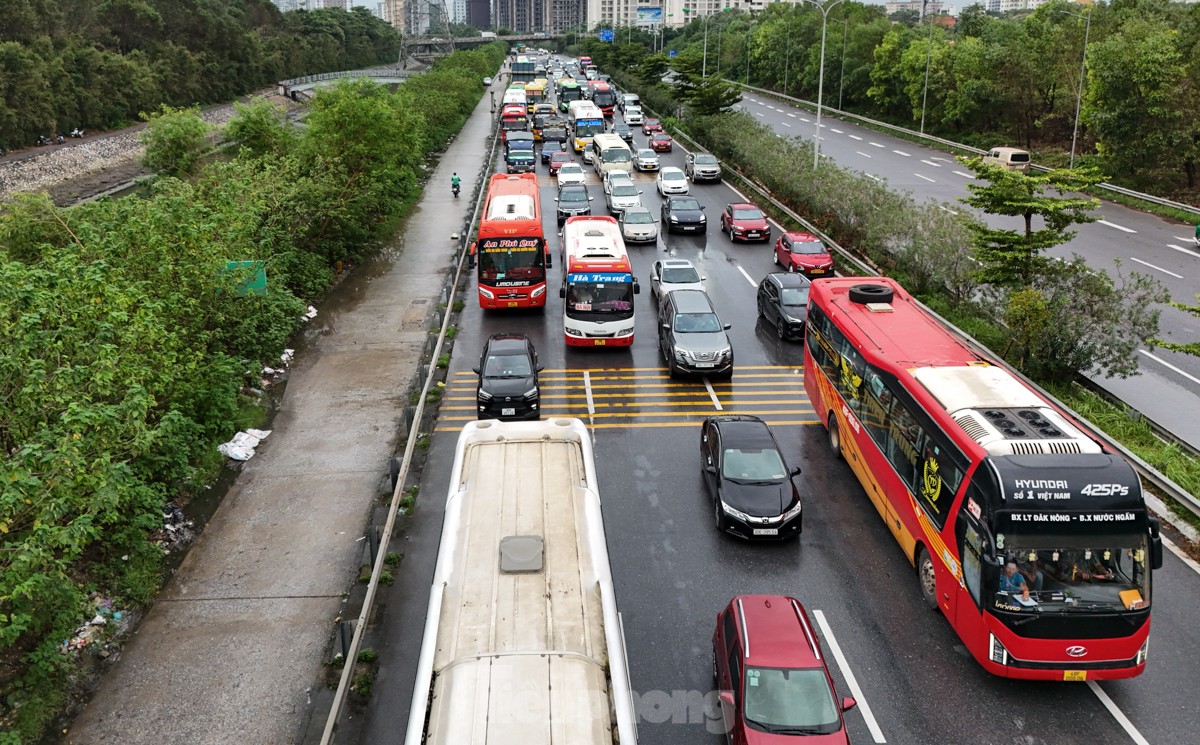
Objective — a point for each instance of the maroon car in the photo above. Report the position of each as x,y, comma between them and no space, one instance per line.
802,252
745,222
650,126
660,142
557,159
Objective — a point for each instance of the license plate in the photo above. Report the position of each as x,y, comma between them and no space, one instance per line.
1075,675
706,364
512,305
599,342
816,271
766,531
508,412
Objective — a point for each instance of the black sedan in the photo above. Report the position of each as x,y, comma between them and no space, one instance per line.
751,486
624,131
550,148
684,214
783,303
508,379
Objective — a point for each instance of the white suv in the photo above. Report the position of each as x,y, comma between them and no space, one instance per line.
633,115
671,180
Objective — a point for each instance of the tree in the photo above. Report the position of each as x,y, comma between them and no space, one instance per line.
1011,258
260,128
175,139
714,96
1192,348
652,68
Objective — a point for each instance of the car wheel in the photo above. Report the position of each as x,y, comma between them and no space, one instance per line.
718,516
781,329
672,368
731,232
835,437
927,578
761,314
775,257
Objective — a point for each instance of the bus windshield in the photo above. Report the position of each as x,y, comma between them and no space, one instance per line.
603,99
612,298
498,264
588,127
1077,573
615,155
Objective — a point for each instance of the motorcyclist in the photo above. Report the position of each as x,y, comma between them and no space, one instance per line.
1198,234
455,183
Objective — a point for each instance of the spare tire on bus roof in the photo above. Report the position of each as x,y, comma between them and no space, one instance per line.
871,294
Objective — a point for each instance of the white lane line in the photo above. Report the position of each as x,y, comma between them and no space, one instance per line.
856,137
831,129
759,113
1169,366
1159,268
591,403
964,174
938,157
944,208
747,276
1186,240
1117,714
1118,227
851,681
1187,251
713,395
871,175
925,177
901,152
822,126
874,144
806,121
860,152
931,163
791,115
786,124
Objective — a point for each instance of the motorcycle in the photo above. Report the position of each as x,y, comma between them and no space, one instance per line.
60,139
455,188
44,140
77,133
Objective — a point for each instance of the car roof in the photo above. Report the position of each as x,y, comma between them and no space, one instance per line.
682,198
508,343
743,206
678,263
647,151
789,279
670,169
801,236
630,210
573,164
748,430
777,631
692,301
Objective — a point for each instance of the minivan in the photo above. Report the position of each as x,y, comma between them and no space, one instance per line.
1008,158
691,336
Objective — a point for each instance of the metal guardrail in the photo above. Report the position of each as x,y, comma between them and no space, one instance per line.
377,568
1144,469
374,72
959,146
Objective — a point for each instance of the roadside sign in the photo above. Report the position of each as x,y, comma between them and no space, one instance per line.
671,53
605,34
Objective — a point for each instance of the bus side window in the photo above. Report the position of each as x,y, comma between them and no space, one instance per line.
876,402
850,374
903,438
970,545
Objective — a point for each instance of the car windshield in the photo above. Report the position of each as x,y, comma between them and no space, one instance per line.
507,366
706,160
1078,573
647,155
638,218
624,189
785,700
560,157
793,297
808,247
697,323
685,204
651,123
621,129
753,464
572,195
747,215
679,275
673,176
570,168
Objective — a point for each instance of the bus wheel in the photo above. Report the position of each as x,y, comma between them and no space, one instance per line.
835,437
927,578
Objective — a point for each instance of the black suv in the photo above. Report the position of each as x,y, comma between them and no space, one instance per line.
573,200
684,214
508,379
783,303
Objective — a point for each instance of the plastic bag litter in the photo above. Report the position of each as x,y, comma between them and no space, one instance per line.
312,313
242,446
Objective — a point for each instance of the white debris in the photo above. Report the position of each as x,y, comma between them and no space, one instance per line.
242,446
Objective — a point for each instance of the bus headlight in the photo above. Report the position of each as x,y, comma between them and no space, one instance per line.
538,292
1141,655
625,332
486,294
996,650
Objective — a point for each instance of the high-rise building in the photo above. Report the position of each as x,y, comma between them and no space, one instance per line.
522,16
662,12
563,15
479,13
458,10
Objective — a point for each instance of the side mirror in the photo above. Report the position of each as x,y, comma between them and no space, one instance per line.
710,468
476,370
562,292
637,288
726,697
540,368
701,206
848,703
728,326
702,277
667,326
1156,545
795,470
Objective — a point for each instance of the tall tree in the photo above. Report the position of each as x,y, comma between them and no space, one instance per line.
1013,258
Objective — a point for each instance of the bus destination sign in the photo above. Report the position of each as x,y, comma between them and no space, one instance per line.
505,245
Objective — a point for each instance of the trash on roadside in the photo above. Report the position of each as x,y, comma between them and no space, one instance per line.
311,314
242,446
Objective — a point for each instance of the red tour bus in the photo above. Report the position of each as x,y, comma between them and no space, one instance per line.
603,96
1032,537
511,252
514,117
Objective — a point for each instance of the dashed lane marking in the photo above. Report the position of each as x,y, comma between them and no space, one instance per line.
925,177
747,276
964,174
785,124
901,152
1117,714
1118,227
875,144
1187,251
1152,266
851,680
713,395
791,115
855,137
860,152
944,208
1169,366
931,163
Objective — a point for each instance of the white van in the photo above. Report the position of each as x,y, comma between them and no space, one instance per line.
1008,158
611,153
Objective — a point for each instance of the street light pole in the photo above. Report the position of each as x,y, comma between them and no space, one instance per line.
787,58
928,57
1082,71
821,75
842,74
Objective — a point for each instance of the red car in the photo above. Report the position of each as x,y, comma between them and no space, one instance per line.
557,159
650,126
771,676
805,253
660,142
745,222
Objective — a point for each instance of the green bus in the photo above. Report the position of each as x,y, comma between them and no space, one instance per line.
568,91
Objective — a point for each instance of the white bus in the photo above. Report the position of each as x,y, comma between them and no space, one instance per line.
598,284
611,153
523,644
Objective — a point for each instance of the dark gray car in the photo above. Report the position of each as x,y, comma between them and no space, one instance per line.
508,379
573,200
691,336
783,303
684,214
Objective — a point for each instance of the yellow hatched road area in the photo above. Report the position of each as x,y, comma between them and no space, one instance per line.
648,397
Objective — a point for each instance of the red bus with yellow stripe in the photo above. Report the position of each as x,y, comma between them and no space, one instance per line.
511,254
1030,535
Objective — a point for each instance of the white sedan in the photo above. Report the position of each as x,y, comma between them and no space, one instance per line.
645,160
671,180
674,274
571,173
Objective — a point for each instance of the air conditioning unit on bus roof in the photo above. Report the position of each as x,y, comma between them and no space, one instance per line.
1000,413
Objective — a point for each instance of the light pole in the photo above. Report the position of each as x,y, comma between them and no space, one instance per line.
821,74
928,57
704,65
842,75
787,58
1087,31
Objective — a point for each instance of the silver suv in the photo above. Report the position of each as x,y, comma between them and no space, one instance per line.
691,336
702,167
